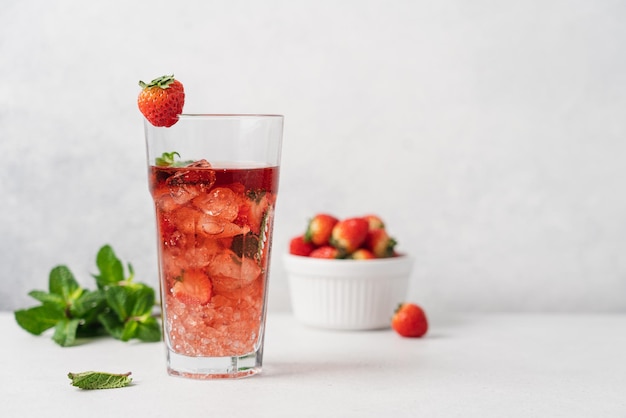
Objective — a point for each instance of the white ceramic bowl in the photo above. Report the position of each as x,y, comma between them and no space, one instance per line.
347,294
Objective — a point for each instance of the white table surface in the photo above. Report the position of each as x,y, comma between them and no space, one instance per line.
517,365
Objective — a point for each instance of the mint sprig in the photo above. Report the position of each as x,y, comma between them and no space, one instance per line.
119,306
168,159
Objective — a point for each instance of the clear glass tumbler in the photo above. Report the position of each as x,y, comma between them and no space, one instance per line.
214,181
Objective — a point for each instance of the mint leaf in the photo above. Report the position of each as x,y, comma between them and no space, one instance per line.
149,330
112,324
111,268
118,306
143,299
65,332
132,305
129,330
167,159
118,300
63,283
99,380
89,305
45,297
130,301
38,319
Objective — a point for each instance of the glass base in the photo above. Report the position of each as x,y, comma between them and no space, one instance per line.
213,367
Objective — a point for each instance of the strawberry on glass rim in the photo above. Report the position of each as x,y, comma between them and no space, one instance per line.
161,100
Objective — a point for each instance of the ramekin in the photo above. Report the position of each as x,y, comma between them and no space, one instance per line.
347,294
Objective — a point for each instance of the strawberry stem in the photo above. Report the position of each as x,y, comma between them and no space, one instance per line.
162,82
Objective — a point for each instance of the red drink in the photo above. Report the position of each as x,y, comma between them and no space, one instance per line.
214,243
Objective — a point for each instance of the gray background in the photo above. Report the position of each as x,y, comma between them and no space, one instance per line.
490,135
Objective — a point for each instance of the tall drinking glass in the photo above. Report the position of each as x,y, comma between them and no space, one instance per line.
214,180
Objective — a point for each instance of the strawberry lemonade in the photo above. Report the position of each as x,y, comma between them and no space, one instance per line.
213,229
213,232
213,179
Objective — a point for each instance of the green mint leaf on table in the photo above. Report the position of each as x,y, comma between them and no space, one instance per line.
99,380
167,159
119,306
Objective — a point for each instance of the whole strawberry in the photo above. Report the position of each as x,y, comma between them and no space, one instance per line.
374,221
380,243
162,100
362,254
348,234
325,251
319,229
409,320
298,246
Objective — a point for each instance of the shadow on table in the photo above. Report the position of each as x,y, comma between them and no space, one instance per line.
324,368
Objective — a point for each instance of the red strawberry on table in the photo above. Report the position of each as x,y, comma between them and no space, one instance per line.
325,251
161,100
409,320
380,243
194,286
297,246
348,234
320,228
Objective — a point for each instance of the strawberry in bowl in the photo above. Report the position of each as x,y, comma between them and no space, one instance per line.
346,274
357,238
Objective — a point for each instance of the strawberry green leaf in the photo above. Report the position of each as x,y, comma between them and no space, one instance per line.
99,380
162,82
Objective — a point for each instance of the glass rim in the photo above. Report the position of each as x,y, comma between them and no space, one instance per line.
228,115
